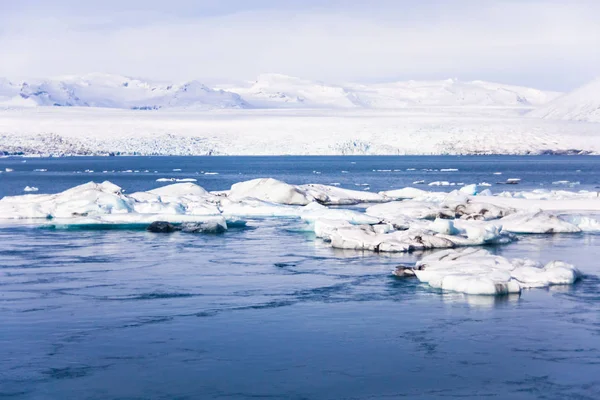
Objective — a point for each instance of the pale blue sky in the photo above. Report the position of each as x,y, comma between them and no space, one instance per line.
541,43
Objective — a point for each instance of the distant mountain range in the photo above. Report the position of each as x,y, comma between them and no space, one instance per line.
582,104
268,91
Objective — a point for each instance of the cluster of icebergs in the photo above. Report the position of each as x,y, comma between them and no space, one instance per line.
403,220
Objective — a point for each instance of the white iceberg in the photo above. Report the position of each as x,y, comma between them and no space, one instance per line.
478,272
337,196
269,190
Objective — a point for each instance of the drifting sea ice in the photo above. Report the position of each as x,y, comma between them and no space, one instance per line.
478,272
176,180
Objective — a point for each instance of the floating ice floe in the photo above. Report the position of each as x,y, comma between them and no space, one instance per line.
176,180
337,196
566,183
269,190
40,170
449,170
478,272
30,189
8,169
105,203
384,237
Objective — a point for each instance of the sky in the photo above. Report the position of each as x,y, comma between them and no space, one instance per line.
547,44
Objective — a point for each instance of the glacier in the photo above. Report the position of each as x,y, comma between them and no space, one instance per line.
103,114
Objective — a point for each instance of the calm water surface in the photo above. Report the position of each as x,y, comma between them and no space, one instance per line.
269,312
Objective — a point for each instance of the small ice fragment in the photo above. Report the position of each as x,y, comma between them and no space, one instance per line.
448,169
211,173
411,169
176,180
316,172
440,183
40,170
497,173
418,182
335,184
8,169
30,189
484,184
176,169
344,172
513,181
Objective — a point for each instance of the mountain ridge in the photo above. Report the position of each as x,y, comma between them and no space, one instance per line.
267,91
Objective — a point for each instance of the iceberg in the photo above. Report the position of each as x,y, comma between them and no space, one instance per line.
478,272
269,190
331,195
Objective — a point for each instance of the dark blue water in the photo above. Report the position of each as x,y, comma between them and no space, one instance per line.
353,172
270,312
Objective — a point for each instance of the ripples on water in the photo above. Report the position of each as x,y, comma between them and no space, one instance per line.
268,312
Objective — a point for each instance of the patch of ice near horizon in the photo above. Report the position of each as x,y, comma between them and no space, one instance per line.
30,189
478,272
176,180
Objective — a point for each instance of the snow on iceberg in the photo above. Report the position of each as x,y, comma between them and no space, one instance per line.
383,237
478,272
332,195
105,203
269,190
537,222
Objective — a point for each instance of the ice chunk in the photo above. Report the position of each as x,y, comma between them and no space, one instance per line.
536,222
30,189
409,208
443,226
585,223
405,193
270,190
337,196
470,190
180,189
476,271
176,180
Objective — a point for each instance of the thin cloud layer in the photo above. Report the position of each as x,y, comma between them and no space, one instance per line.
546,44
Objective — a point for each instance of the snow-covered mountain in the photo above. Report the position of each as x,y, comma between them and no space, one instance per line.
582,104
268,91
276,90
114,91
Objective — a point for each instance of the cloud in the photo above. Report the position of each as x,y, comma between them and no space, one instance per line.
549,44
